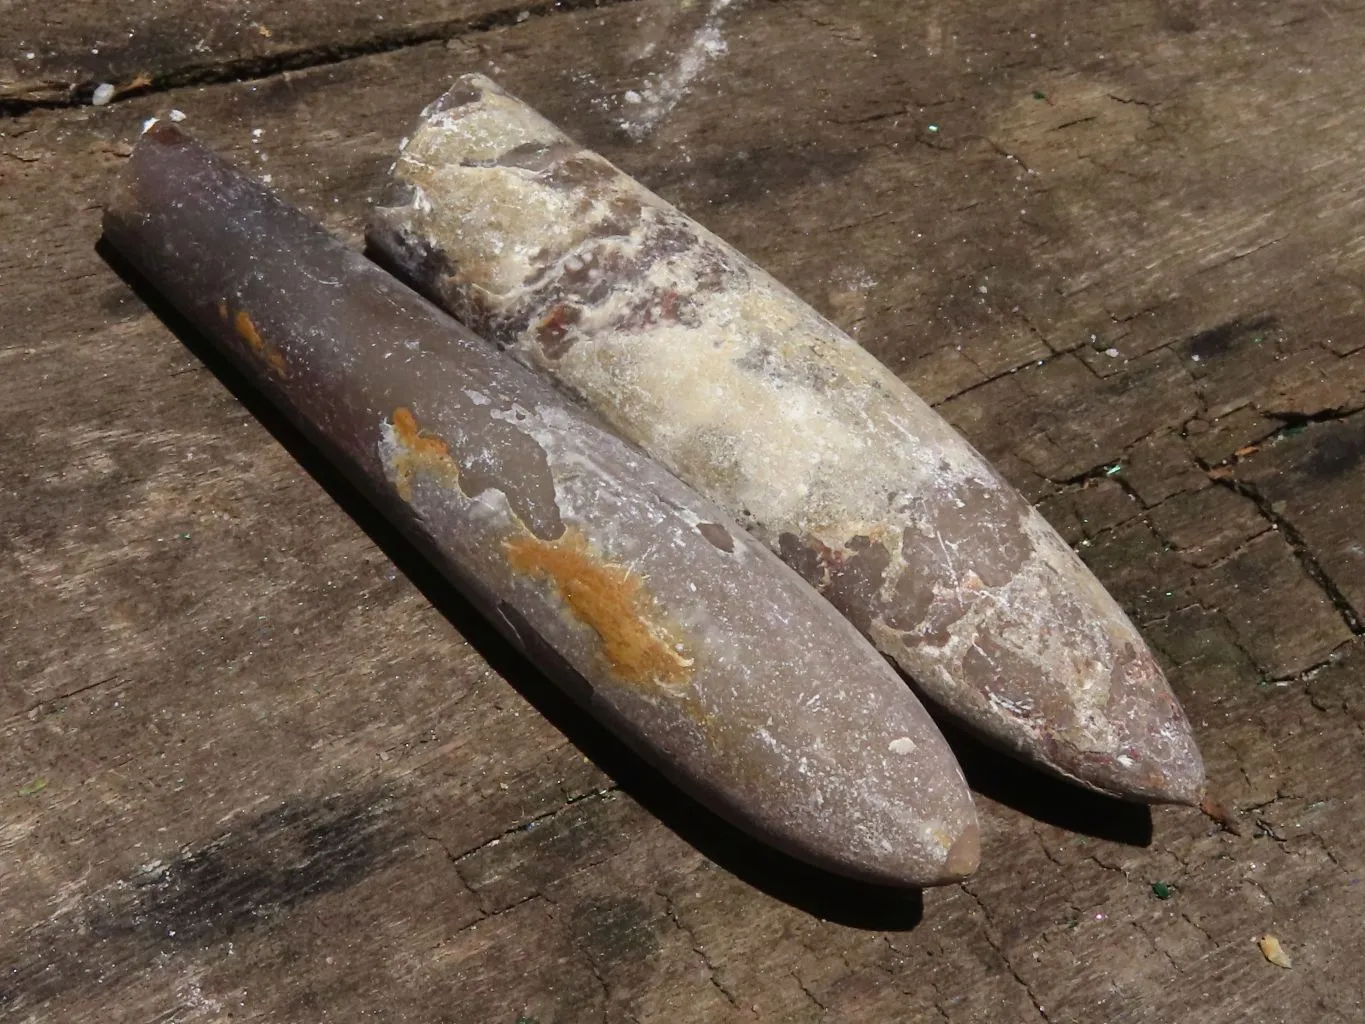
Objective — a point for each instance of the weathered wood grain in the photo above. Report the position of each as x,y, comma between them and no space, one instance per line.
254,728
57,54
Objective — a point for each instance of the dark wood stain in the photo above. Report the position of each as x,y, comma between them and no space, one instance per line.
1224,339
204,894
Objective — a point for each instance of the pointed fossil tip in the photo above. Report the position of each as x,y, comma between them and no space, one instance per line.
1169,768
1186,783
911,865
1183,791
1144,750
964,856
1167,772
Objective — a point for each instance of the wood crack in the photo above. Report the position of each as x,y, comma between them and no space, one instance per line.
520,827
994,943
672,914
808,993
68,695
1301,550
249,69
997,376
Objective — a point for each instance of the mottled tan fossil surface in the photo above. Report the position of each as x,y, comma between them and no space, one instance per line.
258,763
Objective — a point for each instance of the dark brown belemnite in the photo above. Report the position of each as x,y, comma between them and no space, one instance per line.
692,352
690,640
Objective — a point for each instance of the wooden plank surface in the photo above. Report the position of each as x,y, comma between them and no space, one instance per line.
258,763
56,55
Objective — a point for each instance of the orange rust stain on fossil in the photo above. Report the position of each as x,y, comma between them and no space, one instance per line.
639,645
418,452
246,330
612,601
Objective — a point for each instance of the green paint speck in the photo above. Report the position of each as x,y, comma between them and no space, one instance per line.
1114,470
1161,890
30,788
1039,95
